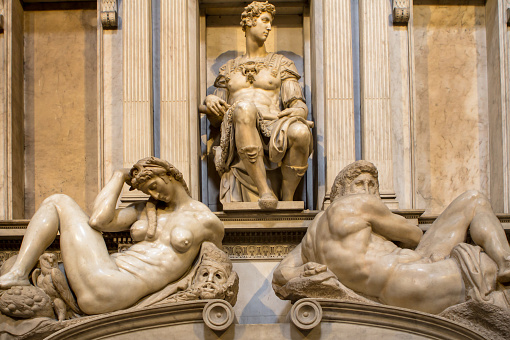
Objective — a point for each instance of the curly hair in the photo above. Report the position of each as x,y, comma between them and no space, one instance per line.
150,167
253,11
146,169
348,174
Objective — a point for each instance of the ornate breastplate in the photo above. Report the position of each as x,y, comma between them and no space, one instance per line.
250,68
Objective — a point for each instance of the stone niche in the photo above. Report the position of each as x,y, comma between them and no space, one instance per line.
222,39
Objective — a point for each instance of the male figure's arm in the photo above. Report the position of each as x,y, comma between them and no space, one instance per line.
385,223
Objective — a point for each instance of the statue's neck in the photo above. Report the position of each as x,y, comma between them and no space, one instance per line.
254,49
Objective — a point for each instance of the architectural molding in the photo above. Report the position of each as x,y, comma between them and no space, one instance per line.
109,16
401,11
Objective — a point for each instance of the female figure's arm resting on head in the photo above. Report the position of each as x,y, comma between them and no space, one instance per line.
104,216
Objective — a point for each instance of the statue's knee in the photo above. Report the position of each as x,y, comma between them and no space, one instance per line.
56,199
477,198
299,135
245,113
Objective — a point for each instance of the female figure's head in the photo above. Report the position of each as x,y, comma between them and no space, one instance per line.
151,174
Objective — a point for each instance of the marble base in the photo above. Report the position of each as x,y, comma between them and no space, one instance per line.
251,206
333,319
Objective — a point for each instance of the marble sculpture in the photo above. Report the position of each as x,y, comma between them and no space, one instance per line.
259,140
177,253
359,246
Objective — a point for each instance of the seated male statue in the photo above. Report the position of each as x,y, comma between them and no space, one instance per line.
258,139
355,240
168,230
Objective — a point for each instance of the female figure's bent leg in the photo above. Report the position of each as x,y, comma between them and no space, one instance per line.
95,279
40,233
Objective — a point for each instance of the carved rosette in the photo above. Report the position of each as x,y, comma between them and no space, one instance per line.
401,11
306,314
109,18
218,315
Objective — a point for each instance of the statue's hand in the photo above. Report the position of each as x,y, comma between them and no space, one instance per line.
216,105
293,112
313,268
124,172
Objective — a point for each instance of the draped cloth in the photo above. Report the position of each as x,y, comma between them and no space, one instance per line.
479,273
236,185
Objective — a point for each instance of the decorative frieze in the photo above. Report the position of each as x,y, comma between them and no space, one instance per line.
109,16
401,11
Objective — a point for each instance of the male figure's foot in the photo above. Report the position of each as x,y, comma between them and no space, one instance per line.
13,279
268,201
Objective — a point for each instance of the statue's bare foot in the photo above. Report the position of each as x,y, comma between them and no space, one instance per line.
13,279
268,201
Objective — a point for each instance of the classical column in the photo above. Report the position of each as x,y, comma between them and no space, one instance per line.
179,88
11,111
375,91
339,141
137,82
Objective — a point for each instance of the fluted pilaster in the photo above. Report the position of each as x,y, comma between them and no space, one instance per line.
338,73
175,120
137,83
375,90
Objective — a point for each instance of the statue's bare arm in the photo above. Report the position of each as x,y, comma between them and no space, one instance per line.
104,215
290,267
385,223
296,108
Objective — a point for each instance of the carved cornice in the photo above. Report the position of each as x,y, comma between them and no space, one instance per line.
109,17
248,235
401,11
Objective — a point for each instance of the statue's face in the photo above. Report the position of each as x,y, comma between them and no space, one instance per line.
160,188
210,281
363,184
260,31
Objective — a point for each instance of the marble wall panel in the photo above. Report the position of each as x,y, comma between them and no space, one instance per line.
256,301
60,106
451,110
